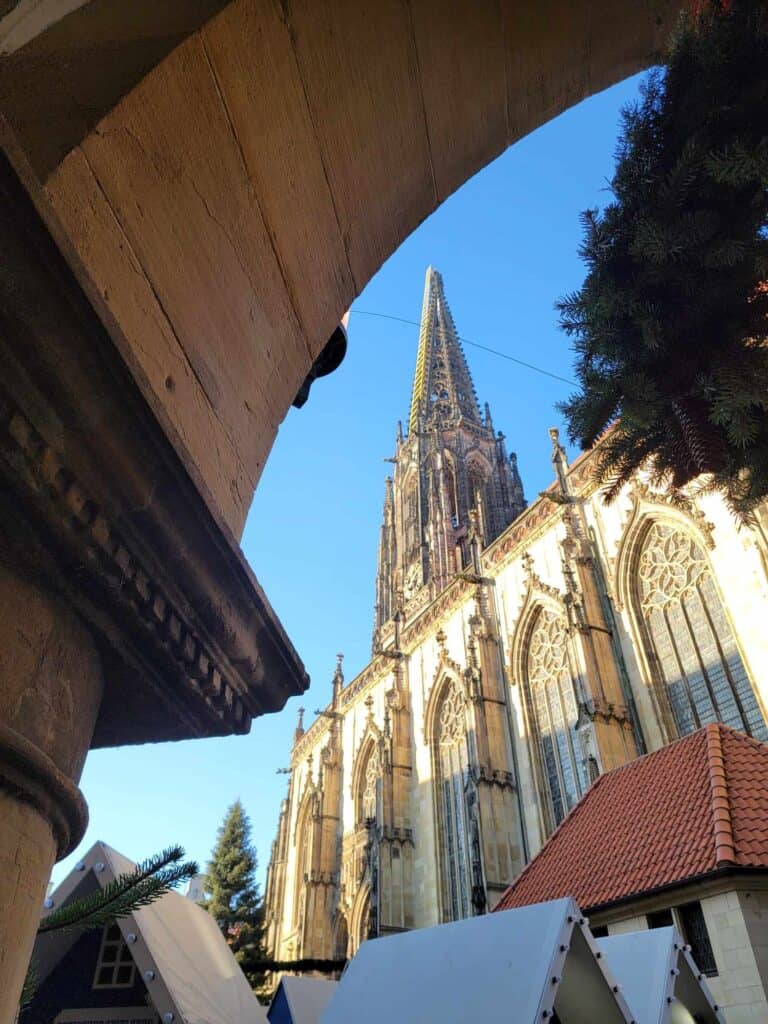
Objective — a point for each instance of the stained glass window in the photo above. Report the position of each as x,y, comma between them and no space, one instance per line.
556,711
694,646
452,757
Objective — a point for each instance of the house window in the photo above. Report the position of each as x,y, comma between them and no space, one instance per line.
556,712
115,967
694,929
660,919
452,763
691,641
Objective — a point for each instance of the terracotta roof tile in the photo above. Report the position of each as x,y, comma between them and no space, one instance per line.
686,810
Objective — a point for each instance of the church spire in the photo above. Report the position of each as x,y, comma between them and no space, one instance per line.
443,391
454,488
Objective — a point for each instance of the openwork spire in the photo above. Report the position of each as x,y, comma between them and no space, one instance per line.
454,488
443,391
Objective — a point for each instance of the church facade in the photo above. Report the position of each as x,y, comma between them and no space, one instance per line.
519,651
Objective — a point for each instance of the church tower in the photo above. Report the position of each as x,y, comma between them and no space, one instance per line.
451,470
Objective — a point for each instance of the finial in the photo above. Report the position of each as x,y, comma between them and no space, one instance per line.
369,704
441,639
559,460
527,561
338,678
299,726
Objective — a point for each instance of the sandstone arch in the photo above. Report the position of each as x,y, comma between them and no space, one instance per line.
226,177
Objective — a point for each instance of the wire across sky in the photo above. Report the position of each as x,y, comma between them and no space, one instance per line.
474,344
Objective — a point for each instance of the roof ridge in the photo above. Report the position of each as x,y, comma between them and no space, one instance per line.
725,850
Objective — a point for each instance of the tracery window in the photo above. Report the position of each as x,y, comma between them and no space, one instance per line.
370,787
452,764
690,637
556,712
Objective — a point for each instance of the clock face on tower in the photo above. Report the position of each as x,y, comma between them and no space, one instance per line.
412,582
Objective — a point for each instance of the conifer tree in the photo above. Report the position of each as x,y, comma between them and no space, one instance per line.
670,324
232,894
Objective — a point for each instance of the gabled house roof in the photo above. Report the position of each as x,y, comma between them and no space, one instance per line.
693,808
189,969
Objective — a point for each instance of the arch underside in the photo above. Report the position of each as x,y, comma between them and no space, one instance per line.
225,178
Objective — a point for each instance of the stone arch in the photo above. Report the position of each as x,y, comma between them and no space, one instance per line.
303,842
340,937
359,917
387,108
687,645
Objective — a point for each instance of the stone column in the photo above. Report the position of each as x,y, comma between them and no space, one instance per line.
50,692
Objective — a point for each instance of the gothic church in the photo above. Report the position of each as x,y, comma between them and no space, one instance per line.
518,652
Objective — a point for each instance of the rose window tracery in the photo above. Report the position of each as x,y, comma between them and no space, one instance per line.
671,565
692,646
547,655
452,727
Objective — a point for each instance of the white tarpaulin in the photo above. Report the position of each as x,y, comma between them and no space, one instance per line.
659,978
515,966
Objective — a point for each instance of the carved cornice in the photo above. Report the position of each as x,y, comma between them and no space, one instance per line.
110,559
396,836
484,775
98,506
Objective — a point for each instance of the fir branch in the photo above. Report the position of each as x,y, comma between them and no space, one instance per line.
150,880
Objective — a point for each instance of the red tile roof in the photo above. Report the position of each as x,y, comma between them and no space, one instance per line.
684,811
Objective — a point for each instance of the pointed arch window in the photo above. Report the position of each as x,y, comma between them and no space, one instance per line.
452,763
478,496
302,843
452,490
368,787
412,532
691,642
341,938
555,709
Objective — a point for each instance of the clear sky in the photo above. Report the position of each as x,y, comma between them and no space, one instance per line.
507,247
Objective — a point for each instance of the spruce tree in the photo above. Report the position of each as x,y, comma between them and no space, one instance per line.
670,324
232,894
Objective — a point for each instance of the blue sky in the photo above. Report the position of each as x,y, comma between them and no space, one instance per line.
507,246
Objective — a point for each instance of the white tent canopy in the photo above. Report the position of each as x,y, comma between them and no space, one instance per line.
519,965
659,978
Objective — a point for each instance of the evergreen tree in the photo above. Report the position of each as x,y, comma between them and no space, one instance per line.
670,325
232,894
